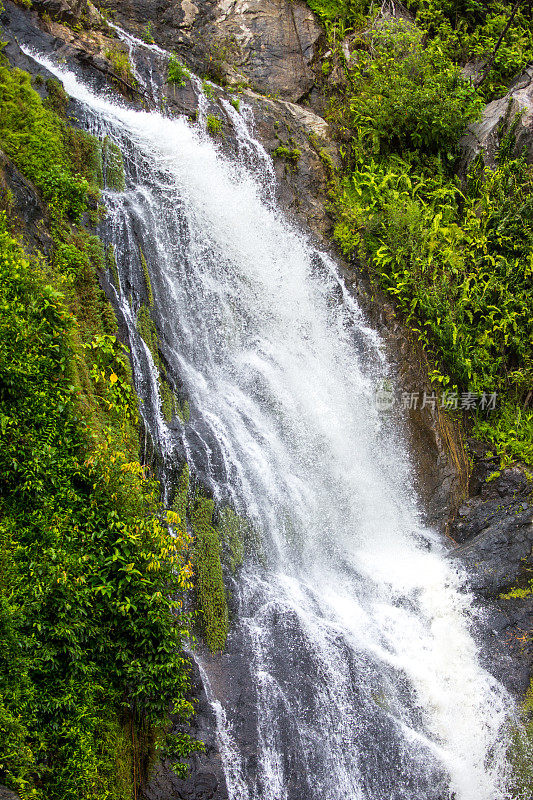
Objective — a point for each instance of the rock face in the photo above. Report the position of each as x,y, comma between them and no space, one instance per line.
205,780
435,441
24,205
483,138
268,45
7,794
494,529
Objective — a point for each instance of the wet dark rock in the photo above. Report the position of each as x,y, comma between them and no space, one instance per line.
24,206
495,530
72,11
497,556
267,44
205,780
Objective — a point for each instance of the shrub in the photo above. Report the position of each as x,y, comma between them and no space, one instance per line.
121,64
147,35
213,125
469,31
409,97
177,73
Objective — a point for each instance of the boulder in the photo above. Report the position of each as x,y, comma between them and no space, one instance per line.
514,110
7,794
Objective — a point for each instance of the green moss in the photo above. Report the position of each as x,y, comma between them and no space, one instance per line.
521,752
167,400
181,498
291,155
213,125
147,281
182,410
111,265
113,166
147,329
233,532
86,153
57,97
211,594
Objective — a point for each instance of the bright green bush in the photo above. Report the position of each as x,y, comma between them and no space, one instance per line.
469,30
345,13
40,144
213,125
177,73
407,97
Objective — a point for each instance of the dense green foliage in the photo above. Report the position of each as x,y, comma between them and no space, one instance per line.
455,258
469,30
338,15
88,566
459,268
38,142
406,96
463,30
90,576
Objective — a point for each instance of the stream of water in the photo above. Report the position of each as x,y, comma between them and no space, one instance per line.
363,679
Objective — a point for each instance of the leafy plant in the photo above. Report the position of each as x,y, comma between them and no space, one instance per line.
409,97
90,576
213,125
208,89
147,34
121,64
291,155
177,74
90,573
458,267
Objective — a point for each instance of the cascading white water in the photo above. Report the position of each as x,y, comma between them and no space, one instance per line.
362,678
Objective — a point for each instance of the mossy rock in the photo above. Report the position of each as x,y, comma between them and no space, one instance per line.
210,590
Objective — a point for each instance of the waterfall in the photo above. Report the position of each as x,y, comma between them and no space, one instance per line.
360,678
